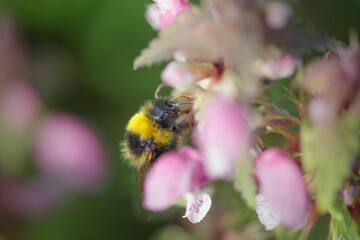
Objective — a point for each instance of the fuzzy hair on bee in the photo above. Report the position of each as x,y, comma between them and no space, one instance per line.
155,129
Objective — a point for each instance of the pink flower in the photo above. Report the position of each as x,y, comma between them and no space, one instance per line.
173,175
278,68
277,14
68,151
177,75
164,12
19,105
223,135
335,86
281,185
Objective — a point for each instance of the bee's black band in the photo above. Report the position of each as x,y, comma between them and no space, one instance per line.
136,145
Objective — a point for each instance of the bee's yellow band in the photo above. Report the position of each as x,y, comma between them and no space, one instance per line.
141,125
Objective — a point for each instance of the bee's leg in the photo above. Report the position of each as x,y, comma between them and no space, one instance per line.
186,124
181,127
187,98
187,111
156,95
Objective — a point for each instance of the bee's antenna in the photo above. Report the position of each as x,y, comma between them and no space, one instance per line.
158,90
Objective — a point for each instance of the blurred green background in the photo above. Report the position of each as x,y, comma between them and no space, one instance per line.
80,55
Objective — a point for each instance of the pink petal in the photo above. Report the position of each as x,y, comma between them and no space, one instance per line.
173,5
69,151
152,16
176,75
282,185
223,135
172,175
267,216
170,9
197,207
335,85
277,15
278,68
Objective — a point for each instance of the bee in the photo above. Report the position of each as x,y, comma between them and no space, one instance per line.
156,128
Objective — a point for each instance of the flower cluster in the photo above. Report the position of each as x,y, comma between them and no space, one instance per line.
65,153
227,54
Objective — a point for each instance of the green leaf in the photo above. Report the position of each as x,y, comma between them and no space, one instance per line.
327,153
244,180
281,233
344,227
320,230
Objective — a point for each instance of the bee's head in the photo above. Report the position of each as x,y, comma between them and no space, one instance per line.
165,112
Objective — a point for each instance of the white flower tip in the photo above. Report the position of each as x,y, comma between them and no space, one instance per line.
267,216
198,208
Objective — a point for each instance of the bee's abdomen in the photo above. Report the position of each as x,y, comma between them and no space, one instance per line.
135,144
173,145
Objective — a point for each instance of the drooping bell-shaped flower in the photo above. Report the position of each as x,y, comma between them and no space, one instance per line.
282,187
68,151
223,135
175,175
334,83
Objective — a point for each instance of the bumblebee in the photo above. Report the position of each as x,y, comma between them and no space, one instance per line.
155,129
